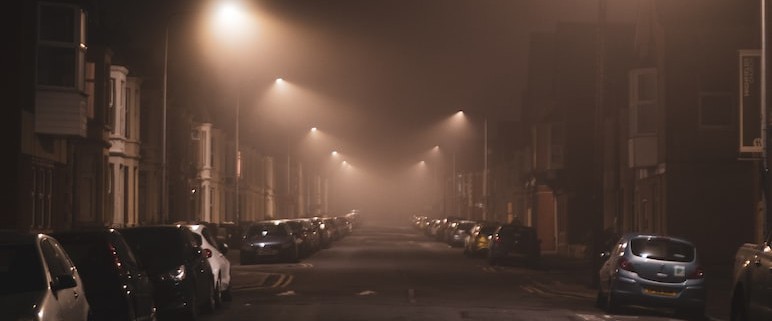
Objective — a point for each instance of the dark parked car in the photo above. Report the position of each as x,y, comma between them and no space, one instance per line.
39,281
270,240
514,242
653,270
325,232
182,277
307,231
117,287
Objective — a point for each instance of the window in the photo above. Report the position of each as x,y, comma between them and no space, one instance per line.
643,102
127,114
111,104
61,49
716,110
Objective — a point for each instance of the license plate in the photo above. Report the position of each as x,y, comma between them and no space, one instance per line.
266,252
659,292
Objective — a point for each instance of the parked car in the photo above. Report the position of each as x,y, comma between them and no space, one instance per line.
325,232
215,252
39,281
117,286
653,270
270,240
306,230
459,231
514,242
476,244
181,274
751,297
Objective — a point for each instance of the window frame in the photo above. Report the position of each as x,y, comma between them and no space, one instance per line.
77,45
636,102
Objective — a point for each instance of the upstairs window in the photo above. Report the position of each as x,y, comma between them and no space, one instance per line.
61,49
643,102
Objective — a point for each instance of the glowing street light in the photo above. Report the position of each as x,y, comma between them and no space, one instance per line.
461,113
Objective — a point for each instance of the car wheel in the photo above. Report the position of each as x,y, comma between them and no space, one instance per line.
226,295
208,306
600,300
738,309
611,304
217,294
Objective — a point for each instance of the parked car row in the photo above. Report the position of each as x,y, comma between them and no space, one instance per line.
640,269
291,240
497,242
160,272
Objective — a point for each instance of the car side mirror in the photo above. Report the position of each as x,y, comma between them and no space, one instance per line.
62,282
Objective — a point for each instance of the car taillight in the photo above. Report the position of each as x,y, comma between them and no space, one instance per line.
698,273
207,253
624,264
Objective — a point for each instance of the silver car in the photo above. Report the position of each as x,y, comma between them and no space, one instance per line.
39,280
652,271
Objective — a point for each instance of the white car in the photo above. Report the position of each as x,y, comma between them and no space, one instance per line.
215,253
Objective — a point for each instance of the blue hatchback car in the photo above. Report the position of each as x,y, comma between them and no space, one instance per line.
653,271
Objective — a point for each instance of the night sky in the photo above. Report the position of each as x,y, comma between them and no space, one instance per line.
379,78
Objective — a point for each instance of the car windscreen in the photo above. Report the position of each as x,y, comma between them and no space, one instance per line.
157,249
20,269
662,249
465,226
488,229
266,230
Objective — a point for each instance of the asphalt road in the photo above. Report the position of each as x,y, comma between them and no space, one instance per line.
397,273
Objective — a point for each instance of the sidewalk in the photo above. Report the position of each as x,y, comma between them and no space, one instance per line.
718,283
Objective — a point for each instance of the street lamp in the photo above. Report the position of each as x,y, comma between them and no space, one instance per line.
485,165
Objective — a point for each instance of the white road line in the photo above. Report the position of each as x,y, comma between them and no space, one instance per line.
286,293
366,292
411,295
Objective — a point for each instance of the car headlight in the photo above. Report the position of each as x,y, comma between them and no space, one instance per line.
177,274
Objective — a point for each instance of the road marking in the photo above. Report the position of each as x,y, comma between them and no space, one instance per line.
531,289
366,292
284,281
589,317
286,293
411,295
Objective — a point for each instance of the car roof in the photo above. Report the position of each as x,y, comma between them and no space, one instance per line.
632,235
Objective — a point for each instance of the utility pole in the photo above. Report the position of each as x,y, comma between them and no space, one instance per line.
599,216
764,122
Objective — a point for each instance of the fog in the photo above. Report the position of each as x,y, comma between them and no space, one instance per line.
380,80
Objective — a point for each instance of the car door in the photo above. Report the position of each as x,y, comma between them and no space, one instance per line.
68,295
140,285
197,262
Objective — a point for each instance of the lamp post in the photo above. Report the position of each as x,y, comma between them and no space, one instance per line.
237,168
164,186
485,166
